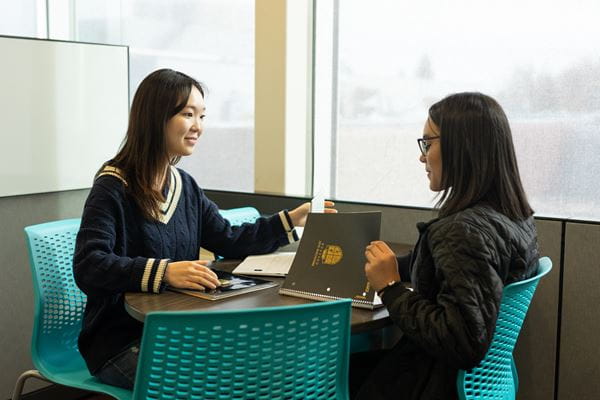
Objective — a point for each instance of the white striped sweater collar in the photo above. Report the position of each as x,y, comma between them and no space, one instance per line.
166,208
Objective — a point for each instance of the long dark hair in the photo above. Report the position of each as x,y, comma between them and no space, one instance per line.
143,156
478,157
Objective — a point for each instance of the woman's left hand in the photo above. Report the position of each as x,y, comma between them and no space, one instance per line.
382,265
299,214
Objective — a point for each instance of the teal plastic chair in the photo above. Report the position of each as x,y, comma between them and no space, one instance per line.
293,352
59,306
496,376
238,216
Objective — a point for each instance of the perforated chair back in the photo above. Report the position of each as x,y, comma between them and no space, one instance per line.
59,303
238,216
235,216
293,352
59,306
496,376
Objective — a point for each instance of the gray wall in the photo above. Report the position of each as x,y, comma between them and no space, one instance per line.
571,288
579,376
535,354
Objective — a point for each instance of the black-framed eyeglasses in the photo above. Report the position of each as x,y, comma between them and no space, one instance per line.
424,144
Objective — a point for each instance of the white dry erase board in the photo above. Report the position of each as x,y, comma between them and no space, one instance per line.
63,112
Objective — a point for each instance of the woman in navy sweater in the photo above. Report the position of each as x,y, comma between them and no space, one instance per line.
144,222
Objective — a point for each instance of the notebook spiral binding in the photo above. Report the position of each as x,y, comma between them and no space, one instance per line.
324,297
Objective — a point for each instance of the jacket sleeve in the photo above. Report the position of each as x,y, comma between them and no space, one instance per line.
98,267
263,236
456,325
404,266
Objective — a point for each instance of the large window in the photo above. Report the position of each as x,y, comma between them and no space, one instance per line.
22,18
213,41
392,59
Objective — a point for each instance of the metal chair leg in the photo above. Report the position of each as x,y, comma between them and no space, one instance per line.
32,373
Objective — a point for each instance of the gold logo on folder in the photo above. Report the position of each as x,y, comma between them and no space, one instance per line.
332,254
327,254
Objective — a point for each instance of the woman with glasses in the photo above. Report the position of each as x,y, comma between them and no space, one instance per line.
483,239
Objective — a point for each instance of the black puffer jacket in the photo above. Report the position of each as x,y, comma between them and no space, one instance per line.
458,269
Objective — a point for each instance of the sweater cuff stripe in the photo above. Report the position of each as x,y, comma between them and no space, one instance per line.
286,221
292,236
146,275
160,273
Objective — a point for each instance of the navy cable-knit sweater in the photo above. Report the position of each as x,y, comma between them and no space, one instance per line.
118,251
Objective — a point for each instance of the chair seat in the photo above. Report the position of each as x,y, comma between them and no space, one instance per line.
81,379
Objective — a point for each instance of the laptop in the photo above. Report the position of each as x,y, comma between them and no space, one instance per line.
275,264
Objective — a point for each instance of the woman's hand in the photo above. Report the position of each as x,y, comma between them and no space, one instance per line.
382,265
191,275
299,214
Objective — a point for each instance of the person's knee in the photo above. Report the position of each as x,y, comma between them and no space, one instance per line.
120,370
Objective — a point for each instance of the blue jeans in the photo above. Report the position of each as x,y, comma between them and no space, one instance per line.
120,370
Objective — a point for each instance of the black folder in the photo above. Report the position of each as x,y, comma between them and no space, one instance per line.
330,260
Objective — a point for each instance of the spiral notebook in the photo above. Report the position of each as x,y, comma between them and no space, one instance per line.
330,261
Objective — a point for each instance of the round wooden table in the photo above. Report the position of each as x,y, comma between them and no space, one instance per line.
139,304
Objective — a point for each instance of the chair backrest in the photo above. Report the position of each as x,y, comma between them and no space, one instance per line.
292,352
235,216
496,376
59,303
238,216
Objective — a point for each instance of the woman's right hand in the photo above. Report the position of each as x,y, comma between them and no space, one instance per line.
382,265
191,275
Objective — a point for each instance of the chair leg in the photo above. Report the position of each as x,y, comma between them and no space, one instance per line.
32,373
